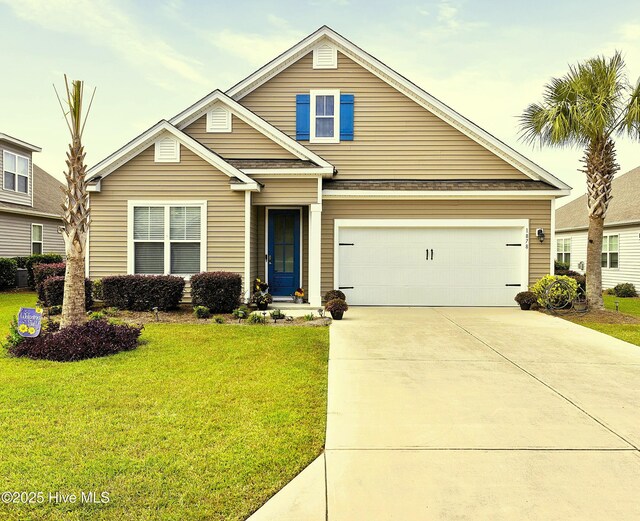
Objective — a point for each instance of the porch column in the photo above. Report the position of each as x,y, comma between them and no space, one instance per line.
315,234
247,246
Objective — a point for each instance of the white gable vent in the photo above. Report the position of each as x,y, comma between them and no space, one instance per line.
219,120
325,56
167,150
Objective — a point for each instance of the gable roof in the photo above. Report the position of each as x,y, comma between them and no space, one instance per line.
623,208
47,197
147,138
402,84
200,108
19,143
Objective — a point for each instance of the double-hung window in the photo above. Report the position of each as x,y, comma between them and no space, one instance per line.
167,238
325,116
15,175
36,239
610,244
564,250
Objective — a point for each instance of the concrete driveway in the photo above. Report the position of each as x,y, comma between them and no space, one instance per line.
475,414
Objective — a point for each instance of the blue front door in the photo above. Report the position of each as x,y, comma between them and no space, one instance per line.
283,257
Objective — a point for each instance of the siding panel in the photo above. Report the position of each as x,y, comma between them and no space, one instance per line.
15,235
295,191
394,137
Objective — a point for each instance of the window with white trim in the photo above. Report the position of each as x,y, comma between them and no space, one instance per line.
325,116
15,176
563,253
610,253
167,239
37,242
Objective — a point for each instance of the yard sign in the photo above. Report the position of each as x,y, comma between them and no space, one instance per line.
29,322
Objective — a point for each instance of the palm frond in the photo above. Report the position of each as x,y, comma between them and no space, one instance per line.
631,121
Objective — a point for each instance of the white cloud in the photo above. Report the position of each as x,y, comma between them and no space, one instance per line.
105,23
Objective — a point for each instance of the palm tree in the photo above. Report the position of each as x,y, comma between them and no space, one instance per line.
75,208
589,107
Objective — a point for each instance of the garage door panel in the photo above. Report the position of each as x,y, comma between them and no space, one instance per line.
430,266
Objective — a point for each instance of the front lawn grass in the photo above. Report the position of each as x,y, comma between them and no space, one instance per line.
631,306
627,332
201,422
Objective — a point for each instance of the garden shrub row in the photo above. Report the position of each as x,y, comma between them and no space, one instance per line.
53,292
33,260
220,291
10,265
8,268
41,272
143,292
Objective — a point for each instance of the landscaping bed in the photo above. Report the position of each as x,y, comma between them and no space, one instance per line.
199,422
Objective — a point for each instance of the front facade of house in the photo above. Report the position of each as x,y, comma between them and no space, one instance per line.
620,258
29,203
326,169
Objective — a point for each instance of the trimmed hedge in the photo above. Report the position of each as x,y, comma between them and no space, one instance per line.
220,291
143,292
53,292
33,260
626,289
90,340
8,269
41,272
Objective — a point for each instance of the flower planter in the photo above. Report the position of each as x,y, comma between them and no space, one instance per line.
525,306
262,306
337,315
298,300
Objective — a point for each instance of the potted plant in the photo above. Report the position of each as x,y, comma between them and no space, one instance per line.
526,299
259,286
336,307
298,296
262,300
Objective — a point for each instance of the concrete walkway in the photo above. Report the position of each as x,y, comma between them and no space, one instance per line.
474,414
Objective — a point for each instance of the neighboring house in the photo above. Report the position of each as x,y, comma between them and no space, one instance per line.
621,245
30,202
327,169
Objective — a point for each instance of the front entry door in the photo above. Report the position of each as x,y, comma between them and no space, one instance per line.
283,256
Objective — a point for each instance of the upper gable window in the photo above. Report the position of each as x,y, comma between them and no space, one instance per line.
167,150
325,56
325,116
15,175
219,120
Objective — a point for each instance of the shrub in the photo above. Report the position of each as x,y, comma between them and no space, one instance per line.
336,305
42,272
34,260
54,310
256,318
219,320
97,289
90,340
261,298
526,297
625,289
220,291
333,294
241,312
560,294
21,261
143,292
201,312
309,317
560,266
97,315
53,289
8,269
277,314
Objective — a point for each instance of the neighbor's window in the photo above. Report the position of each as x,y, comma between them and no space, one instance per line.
15,172
610,251
325,116
36,239
167,239
564,250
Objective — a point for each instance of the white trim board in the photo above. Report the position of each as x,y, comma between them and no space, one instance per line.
405,86
432,223
146,139
197,110
19,143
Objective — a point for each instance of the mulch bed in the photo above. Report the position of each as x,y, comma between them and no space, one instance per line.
597,316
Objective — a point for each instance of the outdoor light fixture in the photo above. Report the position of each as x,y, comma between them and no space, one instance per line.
617,303
155,310
540,234
581,265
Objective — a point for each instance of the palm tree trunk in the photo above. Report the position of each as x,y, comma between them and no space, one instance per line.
594,267
73,305
600,168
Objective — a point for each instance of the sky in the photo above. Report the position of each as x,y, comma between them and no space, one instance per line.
148,60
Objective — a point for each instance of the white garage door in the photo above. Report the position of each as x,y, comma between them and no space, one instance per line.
432,266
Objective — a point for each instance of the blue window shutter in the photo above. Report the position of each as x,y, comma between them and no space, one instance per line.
346,117
303,116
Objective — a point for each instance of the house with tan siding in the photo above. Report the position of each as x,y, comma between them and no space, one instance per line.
30,202
327,169
620,259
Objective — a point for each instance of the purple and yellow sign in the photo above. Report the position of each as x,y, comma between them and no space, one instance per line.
29,321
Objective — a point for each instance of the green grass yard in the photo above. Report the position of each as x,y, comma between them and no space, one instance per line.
200,422
630,306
